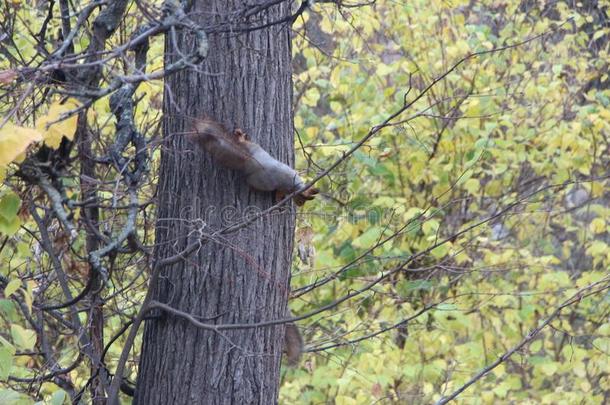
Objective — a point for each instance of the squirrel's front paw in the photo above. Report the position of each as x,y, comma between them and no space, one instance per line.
306,195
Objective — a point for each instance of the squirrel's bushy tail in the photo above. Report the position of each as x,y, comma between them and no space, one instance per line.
293,344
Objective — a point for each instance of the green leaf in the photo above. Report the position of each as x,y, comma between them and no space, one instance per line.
368,238
6,361
12,287
7,308
430,227
10,397
347,252
405,287
25,339
598,34
549,368
59,397
501,390
536,346
9,228
446,307
9,206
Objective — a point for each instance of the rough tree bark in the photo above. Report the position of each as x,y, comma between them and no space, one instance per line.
242,277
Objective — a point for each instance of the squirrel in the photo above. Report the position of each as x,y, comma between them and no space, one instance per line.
264,173
235,151
293,344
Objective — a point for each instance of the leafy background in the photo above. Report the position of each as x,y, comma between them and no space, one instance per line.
525,120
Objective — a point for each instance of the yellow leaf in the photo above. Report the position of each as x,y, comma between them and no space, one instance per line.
384,70
14,140
430,227
28,295
344,400
598,225
472,186
311,97
20,158
412,213
51,129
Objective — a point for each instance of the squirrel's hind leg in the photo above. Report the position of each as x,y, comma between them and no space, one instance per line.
279,195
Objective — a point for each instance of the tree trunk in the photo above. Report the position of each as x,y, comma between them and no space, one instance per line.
241,277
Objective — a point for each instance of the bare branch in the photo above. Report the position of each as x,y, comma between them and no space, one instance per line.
591,289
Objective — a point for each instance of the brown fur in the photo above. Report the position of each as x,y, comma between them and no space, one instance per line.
293,344
236,151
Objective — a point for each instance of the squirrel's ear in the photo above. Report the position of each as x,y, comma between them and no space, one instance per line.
240,135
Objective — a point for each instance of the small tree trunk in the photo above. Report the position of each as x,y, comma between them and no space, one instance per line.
96,313
240,277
